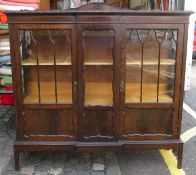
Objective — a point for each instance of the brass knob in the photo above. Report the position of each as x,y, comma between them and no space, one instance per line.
122,86
75,87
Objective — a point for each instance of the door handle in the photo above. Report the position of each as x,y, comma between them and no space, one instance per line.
122,86
75,87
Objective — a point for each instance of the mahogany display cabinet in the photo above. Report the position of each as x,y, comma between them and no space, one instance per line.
98,78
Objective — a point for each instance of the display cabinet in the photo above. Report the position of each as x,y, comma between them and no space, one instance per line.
98,78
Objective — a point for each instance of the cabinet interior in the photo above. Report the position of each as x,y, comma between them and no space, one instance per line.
148,55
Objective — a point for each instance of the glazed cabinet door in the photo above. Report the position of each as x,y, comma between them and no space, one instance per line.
150,87
45,85
97,67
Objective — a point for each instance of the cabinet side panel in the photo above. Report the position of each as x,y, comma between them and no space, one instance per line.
181,97
14,51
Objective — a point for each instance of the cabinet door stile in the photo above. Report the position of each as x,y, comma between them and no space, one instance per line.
183,39
74,68
179,65
14,43
122,79
116,81
75,88
80,69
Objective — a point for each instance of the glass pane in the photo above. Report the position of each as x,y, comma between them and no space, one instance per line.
46,63
167,66
150,65
133,66
98,67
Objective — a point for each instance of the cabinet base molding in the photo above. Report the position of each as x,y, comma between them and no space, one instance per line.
77,146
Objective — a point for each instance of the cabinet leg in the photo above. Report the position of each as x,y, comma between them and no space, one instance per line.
16,159
180,154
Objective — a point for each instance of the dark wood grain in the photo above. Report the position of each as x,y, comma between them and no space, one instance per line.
95,127
98,125
146,122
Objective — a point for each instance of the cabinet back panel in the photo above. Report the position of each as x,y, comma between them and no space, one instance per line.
48,123
46,88
47,73
146,122
98,49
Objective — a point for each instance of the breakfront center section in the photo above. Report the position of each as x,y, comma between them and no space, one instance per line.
97,75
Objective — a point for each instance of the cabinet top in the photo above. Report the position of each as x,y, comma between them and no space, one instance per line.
101,9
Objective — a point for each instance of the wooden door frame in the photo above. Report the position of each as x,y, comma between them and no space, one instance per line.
18,88
98,27
179,67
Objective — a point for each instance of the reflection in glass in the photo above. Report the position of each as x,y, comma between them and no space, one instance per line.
46,62
150,65
98,67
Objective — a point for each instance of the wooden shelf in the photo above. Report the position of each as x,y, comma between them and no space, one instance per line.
131,62
97,61
95,93
102,94
150,61
45,62
47,93
149,93
98,94
33,62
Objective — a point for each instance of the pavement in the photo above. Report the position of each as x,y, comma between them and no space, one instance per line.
7,136
134,162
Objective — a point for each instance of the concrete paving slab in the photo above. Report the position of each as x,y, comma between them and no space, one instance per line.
142,163
189,159
188,122
190,97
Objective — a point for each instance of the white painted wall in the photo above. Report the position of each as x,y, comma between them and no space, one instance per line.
189,5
